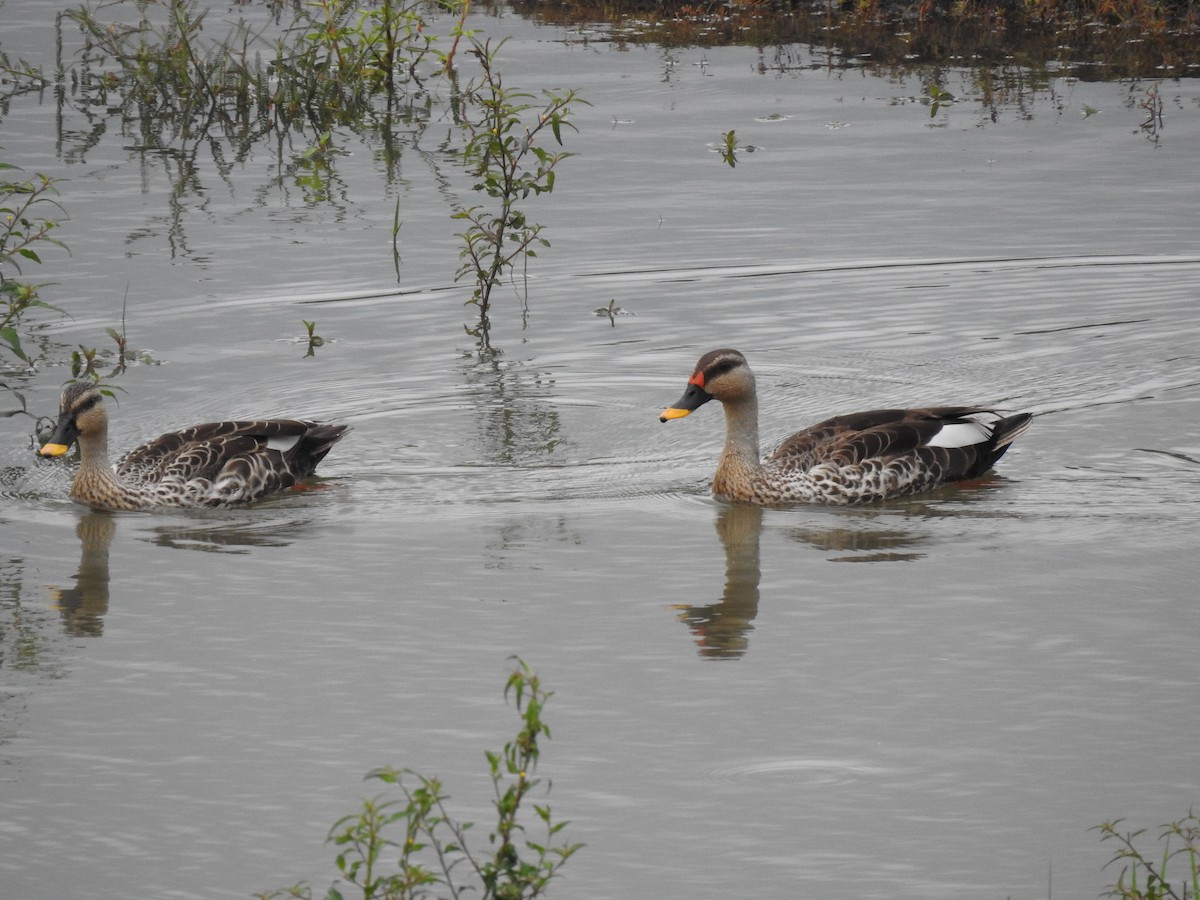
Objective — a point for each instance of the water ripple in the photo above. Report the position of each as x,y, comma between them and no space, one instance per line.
832,772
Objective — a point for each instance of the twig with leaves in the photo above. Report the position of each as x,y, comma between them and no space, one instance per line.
1142,876
503,153
431,846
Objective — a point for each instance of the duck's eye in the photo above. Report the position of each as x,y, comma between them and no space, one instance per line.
88,403
725,365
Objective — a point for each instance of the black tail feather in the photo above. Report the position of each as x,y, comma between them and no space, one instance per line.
317,442
1004,433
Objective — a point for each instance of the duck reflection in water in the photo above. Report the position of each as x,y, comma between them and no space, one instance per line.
84,606
722,629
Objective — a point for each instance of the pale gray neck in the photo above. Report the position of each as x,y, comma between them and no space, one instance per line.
741,433
94,452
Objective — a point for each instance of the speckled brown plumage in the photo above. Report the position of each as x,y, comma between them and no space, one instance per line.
856,458
215,464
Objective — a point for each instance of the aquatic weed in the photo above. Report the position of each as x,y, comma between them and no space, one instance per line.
1153,883
502,151
24,227
314,339
430,847
729,148
336,64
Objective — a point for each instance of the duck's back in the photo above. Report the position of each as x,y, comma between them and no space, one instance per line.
878,454
219,463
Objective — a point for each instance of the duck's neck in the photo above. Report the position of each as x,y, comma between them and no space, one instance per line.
95,479
739,460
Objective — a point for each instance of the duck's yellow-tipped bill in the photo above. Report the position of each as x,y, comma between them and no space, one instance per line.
673,412
53,450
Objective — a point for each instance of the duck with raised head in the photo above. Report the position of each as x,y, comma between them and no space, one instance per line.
857,458
215,464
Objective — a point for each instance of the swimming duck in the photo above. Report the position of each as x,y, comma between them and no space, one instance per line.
856,458
216,464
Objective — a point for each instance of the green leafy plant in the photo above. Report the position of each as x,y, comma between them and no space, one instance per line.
27,221
380,43
429,846
324,67
83,363
169,72
315,173
938,97
314,339
502,152
19,77
336,64
1144,875
396,224
729,147
23,228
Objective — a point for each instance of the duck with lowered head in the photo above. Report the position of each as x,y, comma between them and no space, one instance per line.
214,464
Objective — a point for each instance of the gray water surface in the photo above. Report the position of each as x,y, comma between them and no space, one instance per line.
190,700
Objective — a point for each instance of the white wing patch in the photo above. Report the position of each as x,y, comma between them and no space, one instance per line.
960,434
285,442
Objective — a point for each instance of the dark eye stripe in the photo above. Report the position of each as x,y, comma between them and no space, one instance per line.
720,368
86,402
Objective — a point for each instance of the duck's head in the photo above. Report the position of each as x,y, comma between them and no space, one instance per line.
720,375
80,414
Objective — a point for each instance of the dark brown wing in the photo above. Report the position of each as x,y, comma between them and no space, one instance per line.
274,453
885,435
877,433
